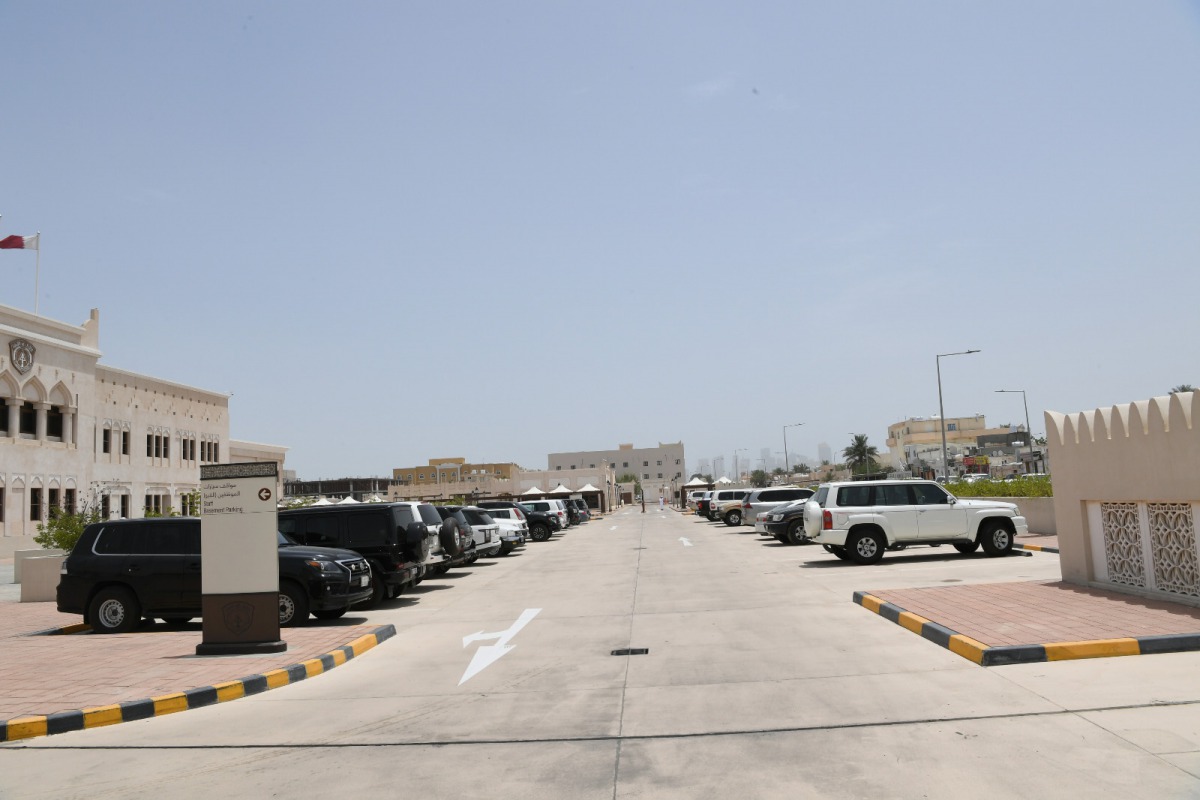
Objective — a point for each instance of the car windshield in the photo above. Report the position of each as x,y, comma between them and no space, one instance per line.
429,515
524,508
283,540
477,517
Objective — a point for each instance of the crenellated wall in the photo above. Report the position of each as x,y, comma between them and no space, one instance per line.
1127,496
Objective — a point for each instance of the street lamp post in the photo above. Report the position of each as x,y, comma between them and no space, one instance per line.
786,465
942,410
1028,430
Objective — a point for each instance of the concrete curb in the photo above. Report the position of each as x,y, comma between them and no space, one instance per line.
64,721
988,656
1018,546
78,627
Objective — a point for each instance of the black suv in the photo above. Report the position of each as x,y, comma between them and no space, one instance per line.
388,535
123,570
542,524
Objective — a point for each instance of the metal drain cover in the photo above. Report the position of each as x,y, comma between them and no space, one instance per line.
632,651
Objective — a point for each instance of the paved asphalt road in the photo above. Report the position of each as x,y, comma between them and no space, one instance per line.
763,679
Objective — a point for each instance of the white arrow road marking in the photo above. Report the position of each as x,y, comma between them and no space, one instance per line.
686,543
613,528
489,654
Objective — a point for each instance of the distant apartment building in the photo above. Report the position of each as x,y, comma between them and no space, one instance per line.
452,470
662,470
663,463
718,470
917,442
824,453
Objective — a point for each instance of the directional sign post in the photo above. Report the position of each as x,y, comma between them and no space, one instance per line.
489,654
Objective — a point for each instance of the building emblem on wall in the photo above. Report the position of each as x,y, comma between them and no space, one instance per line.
21,352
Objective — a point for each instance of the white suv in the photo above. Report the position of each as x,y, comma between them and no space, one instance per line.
858,521
760,500
719,498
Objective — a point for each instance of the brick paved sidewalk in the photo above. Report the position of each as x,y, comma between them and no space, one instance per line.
1039,612
41,675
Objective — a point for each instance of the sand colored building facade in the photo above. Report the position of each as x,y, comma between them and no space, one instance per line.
76,433
1126,498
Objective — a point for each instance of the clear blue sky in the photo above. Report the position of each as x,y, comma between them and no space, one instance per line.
398,231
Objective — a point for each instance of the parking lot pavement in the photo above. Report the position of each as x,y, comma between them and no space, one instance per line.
762,678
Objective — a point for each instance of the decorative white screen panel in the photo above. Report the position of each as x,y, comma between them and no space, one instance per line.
1123,544
1173,544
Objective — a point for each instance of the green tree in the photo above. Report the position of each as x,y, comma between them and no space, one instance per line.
860,456
777,471
630,477
803,469
62,530
759,478
1183,387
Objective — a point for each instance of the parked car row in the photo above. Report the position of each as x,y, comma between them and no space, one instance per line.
330,557
858,521
741,506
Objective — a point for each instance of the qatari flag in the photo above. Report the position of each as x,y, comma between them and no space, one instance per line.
19,242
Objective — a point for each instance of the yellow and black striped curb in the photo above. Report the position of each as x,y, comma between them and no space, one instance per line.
1019,546
64,721
989,656
78,627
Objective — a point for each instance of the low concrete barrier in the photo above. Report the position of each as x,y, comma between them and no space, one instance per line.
40,580
21,555
1038,511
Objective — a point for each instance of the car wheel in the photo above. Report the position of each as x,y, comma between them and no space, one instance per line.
865,546
379,590
781,538
293,606
539,533
330,613
448,536
733,519
840,552
114,610
795,532
995,538
966,547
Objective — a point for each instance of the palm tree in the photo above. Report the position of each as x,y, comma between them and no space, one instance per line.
860,456
1183,387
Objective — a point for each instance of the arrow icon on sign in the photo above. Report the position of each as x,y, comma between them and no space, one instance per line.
489,654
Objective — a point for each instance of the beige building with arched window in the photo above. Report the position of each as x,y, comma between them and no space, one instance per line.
76,433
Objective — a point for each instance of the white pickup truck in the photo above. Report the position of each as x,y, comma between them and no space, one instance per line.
857,521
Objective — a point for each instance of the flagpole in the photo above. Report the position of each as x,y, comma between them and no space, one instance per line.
37,272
